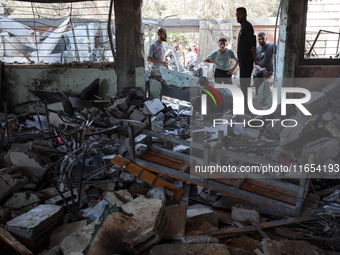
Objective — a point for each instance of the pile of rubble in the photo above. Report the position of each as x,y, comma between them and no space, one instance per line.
62,192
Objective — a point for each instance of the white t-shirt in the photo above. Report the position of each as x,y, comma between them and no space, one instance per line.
192,57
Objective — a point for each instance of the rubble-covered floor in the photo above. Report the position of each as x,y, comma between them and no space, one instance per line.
60,193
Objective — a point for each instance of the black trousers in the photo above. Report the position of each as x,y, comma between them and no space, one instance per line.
246,69
222,76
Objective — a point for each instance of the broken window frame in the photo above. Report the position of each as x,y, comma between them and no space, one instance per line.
314,61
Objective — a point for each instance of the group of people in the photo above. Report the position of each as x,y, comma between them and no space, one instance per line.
251,59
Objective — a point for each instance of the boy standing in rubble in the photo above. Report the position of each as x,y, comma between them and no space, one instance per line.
222,59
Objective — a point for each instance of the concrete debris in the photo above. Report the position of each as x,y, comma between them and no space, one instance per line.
188,249
41,166
272,247
199,239
77,242
152,107
11,181
151,221
59,233
157,193
177,217
24,201
33,228
245,213
137,115
320,150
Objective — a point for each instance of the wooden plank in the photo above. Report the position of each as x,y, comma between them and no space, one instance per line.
222,233
259,186
162,161
145,175
8,240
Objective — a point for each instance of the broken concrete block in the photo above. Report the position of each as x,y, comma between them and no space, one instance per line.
322,149
77,242
245,213
11,181
333,127
252,132
317,102
153,107
177,217
137,115
118,102
27,165
124,195
188,249
171,122
273,247
111,237
151,224
157,193
111,197
59,233
199,239
57,200
32,228
305,125
24,201
157,127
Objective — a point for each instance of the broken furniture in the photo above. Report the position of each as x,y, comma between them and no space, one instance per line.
276,194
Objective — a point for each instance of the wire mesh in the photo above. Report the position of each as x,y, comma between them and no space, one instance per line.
52,33
323,29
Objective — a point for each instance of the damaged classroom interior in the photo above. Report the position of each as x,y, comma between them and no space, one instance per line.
98,157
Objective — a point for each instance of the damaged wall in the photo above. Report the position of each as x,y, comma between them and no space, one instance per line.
291,48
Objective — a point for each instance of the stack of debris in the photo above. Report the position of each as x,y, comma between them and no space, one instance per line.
68,177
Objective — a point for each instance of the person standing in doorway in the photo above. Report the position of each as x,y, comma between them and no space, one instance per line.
246,49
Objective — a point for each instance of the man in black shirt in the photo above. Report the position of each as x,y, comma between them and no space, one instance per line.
246,49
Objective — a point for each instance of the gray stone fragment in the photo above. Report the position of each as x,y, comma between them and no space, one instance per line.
137,115
245,213
199,239
32,228
153,106
320,150
157,193
149,215
190,249
333,128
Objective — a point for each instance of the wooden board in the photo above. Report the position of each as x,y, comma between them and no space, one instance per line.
145,175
